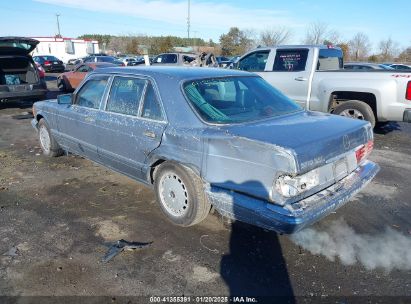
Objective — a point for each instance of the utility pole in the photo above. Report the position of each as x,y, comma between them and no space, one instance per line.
58,25
188,20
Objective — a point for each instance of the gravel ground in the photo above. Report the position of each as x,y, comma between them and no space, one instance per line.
58,215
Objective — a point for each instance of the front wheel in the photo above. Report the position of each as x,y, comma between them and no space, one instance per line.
61,84
356,109
47,142
180,193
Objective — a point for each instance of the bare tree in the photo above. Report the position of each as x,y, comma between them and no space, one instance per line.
388,49
359,46
316,33
275,36
405,55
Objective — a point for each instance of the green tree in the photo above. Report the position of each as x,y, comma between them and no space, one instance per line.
346,50
235,42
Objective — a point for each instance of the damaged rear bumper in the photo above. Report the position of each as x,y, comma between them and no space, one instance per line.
293,217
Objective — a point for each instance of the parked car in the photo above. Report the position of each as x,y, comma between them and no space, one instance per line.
174,59
106,58
313,75
19,76
69,81
203,137
398,66
42,72
50,63
366,66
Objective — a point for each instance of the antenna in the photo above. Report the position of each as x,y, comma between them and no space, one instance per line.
188,20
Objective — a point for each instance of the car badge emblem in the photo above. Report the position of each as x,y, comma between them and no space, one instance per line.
346,142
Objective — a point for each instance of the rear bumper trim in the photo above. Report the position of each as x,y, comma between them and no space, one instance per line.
292,217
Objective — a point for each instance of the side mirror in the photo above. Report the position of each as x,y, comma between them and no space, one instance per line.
64,99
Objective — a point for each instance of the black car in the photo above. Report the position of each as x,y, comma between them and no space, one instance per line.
19,76
108,59
50,63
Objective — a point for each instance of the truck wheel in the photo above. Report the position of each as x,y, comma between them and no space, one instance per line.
47,142
180,193
356,109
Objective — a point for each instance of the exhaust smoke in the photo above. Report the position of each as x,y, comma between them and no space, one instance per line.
387,250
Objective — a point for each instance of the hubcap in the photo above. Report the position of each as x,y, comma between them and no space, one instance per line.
173,194
44,139
352,113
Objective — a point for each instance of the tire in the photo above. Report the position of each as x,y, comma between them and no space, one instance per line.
61,84
356,109
48,144
180,194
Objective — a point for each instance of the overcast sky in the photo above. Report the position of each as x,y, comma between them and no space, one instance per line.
209,18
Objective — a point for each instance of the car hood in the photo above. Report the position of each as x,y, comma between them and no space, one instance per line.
312,137
17,45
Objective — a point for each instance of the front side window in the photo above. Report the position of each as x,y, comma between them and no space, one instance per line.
254,62
237,99
91,92
125,95
151,106
290,60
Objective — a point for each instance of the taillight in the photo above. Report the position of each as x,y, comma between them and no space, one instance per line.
363,151
408,93
47,62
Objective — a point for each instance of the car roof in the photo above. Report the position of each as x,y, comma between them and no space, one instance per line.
97,64
178,73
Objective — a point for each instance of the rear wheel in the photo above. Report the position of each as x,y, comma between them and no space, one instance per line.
180,193
356,109
47,142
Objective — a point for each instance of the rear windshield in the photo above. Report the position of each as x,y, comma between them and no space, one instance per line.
237,99
106,59
49,58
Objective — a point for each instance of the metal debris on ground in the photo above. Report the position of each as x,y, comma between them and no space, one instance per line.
13,251
122,245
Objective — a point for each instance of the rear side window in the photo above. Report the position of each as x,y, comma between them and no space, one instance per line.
91,92
125,95
290,60
254,62
330,59
84,69
151,106
166,58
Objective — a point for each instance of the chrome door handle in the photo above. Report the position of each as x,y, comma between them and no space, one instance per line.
301,79
149,134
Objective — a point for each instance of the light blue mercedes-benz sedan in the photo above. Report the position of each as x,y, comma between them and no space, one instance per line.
212,137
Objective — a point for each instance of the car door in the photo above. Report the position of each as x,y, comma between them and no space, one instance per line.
288,72
125,136
77,123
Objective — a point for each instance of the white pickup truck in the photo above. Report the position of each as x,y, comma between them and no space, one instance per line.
313,76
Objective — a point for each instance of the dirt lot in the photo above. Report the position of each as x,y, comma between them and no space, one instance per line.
57,216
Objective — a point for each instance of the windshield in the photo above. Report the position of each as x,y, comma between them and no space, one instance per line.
237,99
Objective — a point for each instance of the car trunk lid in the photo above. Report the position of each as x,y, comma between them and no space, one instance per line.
17,45
314,138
